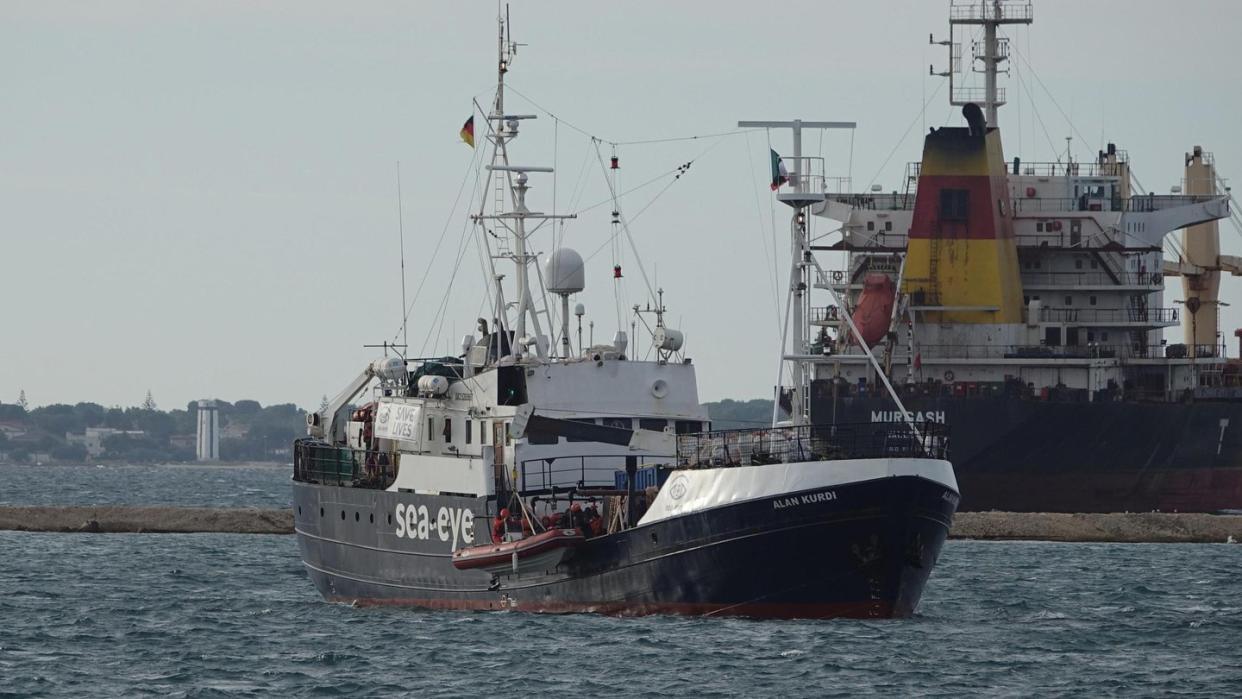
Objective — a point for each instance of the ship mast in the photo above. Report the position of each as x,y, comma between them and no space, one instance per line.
806,180
987,55
503,128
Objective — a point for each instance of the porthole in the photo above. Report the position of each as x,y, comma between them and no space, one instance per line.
321,512
342,515
357,516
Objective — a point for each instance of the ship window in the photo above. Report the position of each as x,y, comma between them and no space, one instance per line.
688,426
469,431
431,429
1077,264
1069,300
649,424
871,225
448,429
1039,226
1026,300
621,423
1104,337
888,225
954,204
1090,336
1038,264
508,434
1091,300
482,432
1095,265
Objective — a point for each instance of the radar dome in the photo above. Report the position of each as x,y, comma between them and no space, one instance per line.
564,272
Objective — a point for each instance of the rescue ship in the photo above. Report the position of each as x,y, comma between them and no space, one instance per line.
1022,304
532,474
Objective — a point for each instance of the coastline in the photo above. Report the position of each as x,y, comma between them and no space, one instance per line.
1145,527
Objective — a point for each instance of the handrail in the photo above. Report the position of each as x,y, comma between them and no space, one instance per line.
319,462
538,475
1108,315
799,443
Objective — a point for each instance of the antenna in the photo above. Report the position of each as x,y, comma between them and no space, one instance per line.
991,51
405,332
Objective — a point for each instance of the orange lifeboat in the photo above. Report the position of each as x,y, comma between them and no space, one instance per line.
539,552
875,307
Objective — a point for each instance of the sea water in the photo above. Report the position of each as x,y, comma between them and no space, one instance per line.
235,615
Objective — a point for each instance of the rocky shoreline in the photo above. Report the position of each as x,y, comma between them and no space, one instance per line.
1147,527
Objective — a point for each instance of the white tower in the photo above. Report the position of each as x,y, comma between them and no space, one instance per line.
208,431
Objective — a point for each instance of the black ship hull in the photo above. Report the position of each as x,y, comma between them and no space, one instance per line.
866,550
1024,455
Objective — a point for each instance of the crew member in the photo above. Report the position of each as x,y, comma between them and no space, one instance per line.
498,525
579,520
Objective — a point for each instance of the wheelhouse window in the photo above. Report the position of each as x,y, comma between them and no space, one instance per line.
688,426
448,429
431,429
954,204
645,423
469,430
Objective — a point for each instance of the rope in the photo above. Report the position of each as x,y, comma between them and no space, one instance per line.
902,140
763,237
426,272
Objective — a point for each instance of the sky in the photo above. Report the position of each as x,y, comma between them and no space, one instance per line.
200,198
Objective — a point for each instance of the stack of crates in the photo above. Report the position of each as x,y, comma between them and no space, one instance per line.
644,477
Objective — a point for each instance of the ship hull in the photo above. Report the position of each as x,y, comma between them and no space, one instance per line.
864,551
1021,455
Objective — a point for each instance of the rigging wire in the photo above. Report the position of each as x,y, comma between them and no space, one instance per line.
1056,104
906,133
773,283
776,270
435,251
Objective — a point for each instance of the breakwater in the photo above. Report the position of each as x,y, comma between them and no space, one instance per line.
131,519
1146,527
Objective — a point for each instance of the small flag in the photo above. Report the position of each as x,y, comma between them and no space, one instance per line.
779,174
467,131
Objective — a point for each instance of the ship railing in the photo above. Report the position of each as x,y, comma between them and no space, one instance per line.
1071,169
318,462
1140,204
1155,316
806,172
977,95
801,443
974,12
577,471
825,314
1092,278
875,201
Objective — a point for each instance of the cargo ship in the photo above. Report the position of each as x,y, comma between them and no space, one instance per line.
1022,304
534,473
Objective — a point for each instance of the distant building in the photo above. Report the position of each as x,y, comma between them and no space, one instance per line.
93,438
183,441
208,431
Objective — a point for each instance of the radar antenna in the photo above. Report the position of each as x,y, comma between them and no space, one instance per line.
987,56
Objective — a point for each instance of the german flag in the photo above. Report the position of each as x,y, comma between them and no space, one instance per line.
467,131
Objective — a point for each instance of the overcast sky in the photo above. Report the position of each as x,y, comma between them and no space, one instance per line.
199,198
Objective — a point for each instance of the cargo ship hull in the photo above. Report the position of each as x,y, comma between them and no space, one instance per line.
1023,455
861,549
